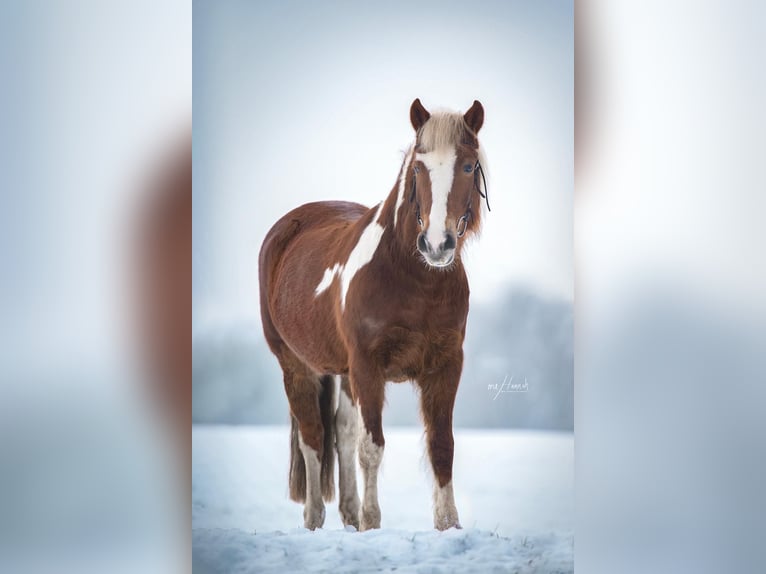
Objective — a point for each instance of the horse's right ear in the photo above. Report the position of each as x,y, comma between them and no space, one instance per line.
418,114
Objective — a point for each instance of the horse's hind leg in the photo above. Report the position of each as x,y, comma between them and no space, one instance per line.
309,466
346,436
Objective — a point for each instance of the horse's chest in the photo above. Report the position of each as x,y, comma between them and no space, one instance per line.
402,329
402,352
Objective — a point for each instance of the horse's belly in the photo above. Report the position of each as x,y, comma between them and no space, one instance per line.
320,348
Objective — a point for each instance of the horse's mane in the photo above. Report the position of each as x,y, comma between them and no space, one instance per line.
444,129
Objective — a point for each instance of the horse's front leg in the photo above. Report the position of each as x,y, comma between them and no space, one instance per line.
437,399
369,388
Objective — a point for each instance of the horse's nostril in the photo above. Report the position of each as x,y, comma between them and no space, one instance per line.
423,244
449,242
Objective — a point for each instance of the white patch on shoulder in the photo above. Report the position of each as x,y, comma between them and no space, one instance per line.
441,170
402,181
360,255
327,278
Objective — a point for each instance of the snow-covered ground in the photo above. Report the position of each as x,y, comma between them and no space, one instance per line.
513,489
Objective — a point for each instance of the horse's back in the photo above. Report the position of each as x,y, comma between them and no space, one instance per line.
309,216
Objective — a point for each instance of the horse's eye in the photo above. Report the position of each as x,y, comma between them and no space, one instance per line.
468,168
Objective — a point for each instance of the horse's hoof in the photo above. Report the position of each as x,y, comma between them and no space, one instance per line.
350,521
349,513
447,522
313,518
370,518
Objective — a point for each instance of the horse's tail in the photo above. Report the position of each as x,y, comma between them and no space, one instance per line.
327,411
297,477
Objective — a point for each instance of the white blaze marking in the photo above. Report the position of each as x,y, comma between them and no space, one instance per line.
402,181
360,256
441,170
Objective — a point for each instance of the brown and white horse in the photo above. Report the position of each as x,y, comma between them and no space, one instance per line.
374,295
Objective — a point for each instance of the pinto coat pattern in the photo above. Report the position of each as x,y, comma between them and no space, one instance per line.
374,295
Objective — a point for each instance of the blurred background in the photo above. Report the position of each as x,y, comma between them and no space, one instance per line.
95,123
287,111
671,276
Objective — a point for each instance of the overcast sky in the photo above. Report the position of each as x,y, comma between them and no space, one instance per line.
298,102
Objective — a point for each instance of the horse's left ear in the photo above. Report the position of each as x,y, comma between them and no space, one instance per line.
474,117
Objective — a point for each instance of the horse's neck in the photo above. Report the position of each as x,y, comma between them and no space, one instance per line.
403,234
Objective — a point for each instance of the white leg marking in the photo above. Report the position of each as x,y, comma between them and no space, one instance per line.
445,512
441,170
370,456
313,511
402,180
346,433
361,254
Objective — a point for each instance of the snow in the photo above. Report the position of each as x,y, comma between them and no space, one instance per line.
513,489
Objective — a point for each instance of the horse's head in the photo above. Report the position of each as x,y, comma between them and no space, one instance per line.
446,180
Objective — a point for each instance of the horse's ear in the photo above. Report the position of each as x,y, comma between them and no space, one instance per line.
474,117
418,114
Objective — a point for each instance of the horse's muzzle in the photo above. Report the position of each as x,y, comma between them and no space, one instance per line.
441,256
